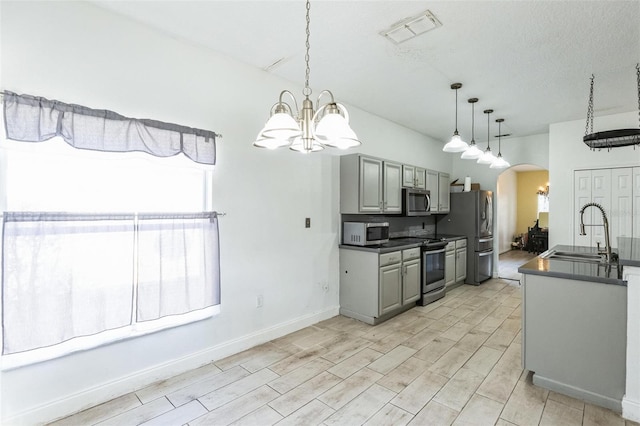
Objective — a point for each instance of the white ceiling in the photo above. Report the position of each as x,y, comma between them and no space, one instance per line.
530,61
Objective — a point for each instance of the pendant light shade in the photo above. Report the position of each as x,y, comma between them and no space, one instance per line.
456,144
472,152
487,157
309,131
499,162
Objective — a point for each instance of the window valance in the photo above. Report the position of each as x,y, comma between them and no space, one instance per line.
36,119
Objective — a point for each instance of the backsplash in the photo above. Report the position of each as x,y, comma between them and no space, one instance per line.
399,226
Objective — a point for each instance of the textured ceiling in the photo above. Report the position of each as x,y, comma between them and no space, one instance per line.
530,61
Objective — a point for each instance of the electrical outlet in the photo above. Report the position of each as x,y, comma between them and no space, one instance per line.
307,222
259,301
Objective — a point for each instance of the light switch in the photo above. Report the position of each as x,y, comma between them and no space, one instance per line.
307,222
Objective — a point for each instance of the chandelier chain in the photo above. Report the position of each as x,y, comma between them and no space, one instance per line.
307,89
588,129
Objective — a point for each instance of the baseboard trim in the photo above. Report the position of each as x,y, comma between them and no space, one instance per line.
578,393
93,396
631,409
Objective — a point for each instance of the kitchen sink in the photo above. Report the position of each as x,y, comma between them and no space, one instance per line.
575,256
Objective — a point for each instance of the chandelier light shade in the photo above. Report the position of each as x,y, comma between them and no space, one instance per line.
487,157
500,162
309,129
456,144
472,152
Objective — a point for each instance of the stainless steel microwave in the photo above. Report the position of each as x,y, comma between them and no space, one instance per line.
365,233
416,202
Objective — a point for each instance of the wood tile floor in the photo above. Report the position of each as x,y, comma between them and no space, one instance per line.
456,361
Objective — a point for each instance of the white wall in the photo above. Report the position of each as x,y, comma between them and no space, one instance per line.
507,214
79,53
567,152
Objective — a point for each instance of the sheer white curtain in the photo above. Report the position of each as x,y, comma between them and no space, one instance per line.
73,281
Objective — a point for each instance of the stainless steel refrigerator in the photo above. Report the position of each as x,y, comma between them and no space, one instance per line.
471,215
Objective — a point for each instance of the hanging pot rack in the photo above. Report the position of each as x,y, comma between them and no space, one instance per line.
610,138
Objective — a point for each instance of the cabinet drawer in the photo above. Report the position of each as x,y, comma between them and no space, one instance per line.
461,243
409,254
451,246
390,258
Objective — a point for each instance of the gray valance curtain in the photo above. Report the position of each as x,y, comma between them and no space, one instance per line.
36,119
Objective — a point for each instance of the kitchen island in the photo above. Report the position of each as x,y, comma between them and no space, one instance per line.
574,326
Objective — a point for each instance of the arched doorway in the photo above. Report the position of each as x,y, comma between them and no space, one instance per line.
521,212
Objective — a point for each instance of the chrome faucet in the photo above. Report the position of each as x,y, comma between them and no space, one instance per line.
605,224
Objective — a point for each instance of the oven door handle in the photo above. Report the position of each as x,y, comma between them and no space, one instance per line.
434,251
484,240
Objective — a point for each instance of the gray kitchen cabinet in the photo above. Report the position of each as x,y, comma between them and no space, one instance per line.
461,260
413,177
390,288
369,185
433,188
438,185
450,264
375,287
444,195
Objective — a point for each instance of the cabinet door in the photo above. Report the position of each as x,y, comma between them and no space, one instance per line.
443,192
370,185
582,195
461,264
421,178
620,215
601,194
410,281
432,187
449,267
390,288
408,176
392,195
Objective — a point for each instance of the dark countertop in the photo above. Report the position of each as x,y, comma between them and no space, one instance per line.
401,243
575,270
629,251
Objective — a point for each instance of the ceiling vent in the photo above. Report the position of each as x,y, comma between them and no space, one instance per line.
411,27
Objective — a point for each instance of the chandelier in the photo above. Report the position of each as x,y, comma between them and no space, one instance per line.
309,129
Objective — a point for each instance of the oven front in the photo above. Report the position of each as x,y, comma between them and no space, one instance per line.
432,269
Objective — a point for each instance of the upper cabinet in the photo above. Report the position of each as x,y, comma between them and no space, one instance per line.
444,195
438,186
413,177
370,185
374,185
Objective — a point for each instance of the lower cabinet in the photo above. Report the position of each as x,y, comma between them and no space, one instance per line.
450,264
375,287
455,262
461,260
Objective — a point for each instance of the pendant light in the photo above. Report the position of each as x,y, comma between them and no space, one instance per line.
456,144
499,162
487,157
310,129
473,152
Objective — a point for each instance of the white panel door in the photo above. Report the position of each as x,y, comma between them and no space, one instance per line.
620,214
601,194
582,195
636,202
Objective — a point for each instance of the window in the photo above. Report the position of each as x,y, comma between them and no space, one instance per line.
101,246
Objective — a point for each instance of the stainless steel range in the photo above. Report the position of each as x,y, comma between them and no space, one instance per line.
433,257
